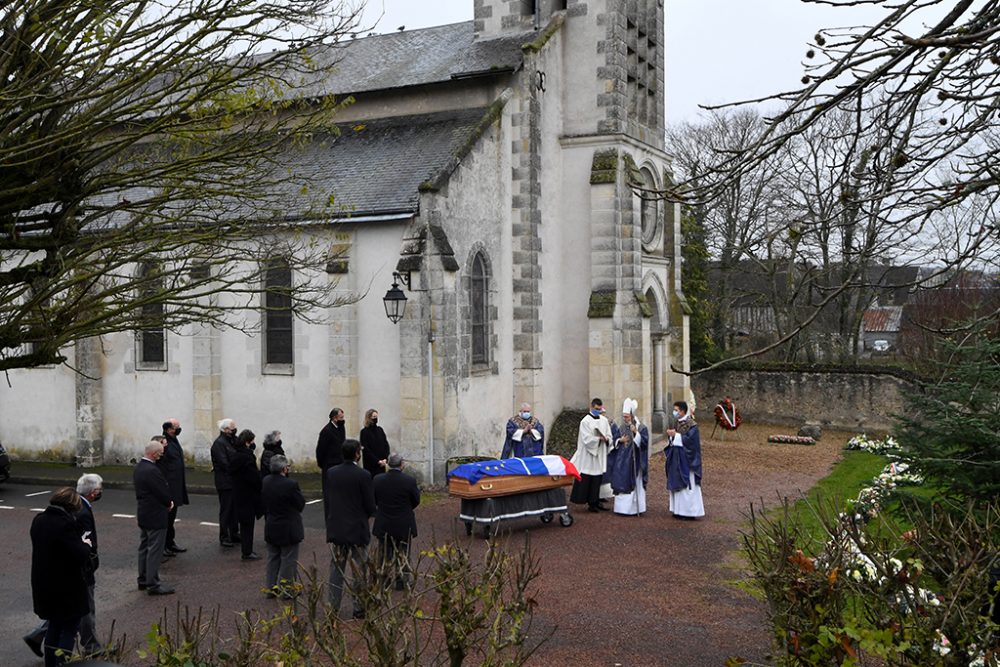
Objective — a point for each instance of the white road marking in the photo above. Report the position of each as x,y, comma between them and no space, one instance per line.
208,523
313,502
36,493
123,516
6,507
37,509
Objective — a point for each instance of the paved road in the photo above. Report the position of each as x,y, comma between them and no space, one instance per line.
653,591
205,575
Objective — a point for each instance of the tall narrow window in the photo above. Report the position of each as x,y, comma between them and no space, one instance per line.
479,307
151,339
278,351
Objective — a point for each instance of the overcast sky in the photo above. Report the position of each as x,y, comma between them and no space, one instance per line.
716,50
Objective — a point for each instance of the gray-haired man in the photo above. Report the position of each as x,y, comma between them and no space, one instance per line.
90,487
396,496
283,504
222,451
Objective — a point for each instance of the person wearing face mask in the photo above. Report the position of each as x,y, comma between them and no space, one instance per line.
172,466
591,457
246,490
222,452
330,441
628,461
374,444
525,435
684,464
272,447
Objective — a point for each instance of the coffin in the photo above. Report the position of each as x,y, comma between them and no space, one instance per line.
508,485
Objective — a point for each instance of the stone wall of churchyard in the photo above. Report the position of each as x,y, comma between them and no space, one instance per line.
850,400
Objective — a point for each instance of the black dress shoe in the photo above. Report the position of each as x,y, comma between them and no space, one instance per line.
34,645
143,587
227,543
250,556
160,590
176,548
593,508
168,554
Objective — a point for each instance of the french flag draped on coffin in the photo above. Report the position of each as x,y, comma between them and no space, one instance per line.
547,464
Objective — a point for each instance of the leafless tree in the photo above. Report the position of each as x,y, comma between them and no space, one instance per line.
891,147
147,163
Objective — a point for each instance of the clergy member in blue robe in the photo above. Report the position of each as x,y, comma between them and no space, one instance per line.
525,435
684,464
628,462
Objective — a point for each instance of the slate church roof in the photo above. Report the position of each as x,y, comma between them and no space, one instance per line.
413,58
377,166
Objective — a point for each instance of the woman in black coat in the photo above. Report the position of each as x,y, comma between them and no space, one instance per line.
59,558
246,490
272,447
374,444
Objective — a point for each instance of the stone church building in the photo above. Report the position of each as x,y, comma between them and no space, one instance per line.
490,164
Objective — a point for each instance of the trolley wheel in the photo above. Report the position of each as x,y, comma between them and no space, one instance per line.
468,528
566,520
547,517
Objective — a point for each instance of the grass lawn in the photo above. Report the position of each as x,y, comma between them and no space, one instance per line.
855,470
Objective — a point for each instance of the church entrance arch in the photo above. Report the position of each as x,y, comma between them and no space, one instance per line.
658,324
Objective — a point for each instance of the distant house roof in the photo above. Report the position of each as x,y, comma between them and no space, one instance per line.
413,58
377,167
882,320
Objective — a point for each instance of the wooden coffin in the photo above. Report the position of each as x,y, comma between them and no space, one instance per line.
508,485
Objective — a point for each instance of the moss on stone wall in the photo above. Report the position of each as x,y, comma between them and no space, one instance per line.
644,306
560,437
552,28
604,168
632,173
602,304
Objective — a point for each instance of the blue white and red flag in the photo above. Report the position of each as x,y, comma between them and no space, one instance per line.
548,464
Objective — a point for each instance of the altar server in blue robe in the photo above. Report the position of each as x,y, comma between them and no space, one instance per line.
525,435
684,464
628,462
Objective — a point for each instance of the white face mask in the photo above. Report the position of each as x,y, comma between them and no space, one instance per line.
676,414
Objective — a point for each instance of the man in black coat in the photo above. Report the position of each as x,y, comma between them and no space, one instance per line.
283,505
59,557
172,465
350,502
152,495
90,487
396,496
330,442
222,451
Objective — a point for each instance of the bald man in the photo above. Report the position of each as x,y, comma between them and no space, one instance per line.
525,435
152,495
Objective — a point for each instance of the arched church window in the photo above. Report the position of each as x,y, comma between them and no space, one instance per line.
479,286
151,337
648,207
278,317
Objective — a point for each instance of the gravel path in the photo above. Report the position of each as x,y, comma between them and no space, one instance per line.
655,590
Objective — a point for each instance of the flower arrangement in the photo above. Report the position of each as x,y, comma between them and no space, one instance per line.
791,439
727,415
887,446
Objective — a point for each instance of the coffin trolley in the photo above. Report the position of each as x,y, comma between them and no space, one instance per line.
492,499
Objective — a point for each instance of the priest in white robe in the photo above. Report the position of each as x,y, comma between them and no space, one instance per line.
591,457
